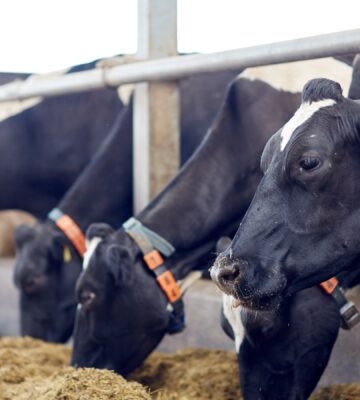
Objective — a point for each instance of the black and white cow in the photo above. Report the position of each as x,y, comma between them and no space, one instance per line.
301,227
64,132
282,353
45,273
47,262
124,314
298,206
44,148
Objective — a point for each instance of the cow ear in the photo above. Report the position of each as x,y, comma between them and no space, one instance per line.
98,230
119,261
23,233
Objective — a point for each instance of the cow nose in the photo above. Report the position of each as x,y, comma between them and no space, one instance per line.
86,298
32,284
225,275
28,284
229,273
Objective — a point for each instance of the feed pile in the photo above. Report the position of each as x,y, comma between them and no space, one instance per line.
33,370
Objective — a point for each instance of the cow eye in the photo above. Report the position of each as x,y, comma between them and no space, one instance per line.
86,298
309,163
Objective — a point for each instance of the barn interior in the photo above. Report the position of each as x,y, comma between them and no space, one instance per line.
200,362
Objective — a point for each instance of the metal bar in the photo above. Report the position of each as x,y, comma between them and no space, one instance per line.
156,105
176,67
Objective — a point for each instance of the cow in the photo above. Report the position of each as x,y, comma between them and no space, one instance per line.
48,259
46,146
301,227
64,132
113,330
283,353
47,263
231,271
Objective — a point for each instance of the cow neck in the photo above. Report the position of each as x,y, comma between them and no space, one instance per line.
213,190
103,192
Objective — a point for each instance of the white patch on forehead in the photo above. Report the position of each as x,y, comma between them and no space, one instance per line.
305,111
293,76
233,316
90,249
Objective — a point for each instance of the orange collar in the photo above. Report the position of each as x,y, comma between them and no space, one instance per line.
70,229
329,285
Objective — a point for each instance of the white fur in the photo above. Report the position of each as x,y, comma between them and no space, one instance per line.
125,92
90,249
305,111
293,76
10,108
233,316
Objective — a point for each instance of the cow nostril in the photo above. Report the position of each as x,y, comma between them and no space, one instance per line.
229,274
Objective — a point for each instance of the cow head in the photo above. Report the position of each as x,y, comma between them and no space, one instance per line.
46,270
122,314
303,224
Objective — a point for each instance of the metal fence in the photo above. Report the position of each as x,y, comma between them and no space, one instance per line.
171,68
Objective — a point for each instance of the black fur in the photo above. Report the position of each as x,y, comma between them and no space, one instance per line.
321,89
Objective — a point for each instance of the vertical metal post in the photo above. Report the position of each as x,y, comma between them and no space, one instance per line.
156,105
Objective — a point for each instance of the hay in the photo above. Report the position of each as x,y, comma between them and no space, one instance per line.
22,358
34,370
78,384
191,374
338,392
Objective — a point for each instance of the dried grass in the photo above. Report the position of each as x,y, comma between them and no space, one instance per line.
34,370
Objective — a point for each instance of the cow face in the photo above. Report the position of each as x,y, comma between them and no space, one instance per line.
302,226
122,313
46,270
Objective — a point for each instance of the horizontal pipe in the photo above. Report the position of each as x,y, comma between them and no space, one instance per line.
331,44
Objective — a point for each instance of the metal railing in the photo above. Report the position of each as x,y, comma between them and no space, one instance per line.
177,67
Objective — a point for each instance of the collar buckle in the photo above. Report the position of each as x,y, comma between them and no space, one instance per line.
350,315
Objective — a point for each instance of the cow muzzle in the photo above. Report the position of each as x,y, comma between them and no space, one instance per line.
227,273
246,284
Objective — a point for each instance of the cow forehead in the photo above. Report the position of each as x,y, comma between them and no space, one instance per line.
91,246
305,112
